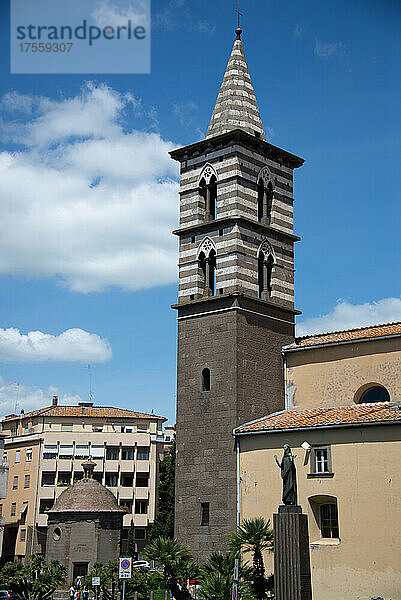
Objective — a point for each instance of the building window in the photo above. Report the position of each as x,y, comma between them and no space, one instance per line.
17,456
320,460
27,481
50,451
78,476
265,269
127,504
141,507
66,452
111,453
64,479
28,455
265,197
111,479
66,426
22,535
13,431
142,453
329,521
48,479
167,438
142,480
325,511
205,513
127,454
57,535
45,506
207,266
127,479
82,451
206,380
1,510
140,534
13,509
15,482
26,428
371,393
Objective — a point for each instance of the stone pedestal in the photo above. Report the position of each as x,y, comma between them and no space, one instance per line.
292,576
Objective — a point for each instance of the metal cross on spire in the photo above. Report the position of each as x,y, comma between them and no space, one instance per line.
238,31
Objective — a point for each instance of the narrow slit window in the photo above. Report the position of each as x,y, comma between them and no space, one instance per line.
205,513
206,380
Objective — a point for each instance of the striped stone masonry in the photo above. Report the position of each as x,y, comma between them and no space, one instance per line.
236,106
236,233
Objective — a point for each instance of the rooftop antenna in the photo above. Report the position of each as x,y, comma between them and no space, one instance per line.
17,399
238,31
91,394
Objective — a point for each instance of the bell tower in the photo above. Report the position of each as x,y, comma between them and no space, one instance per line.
236,301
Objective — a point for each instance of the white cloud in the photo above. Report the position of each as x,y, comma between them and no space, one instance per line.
326,50
14,397
75,345
176,14
109,13
86,200
348,316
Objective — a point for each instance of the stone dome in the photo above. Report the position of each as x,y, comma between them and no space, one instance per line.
86,495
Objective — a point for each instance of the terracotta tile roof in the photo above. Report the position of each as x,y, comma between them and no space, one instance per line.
86,411
374,331
356,414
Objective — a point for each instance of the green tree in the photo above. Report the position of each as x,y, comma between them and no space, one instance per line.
255,536
131,541
37,580
177,565
164,522
217,578
109,581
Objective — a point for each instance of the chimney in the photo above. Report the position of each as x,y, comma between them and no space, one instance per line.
55,401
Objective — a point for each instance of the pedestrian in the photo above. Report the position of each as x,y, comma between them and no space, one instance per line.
85,594
77,595
72,592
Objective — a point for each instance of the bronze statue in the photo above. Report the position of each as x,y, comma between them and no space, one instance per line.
289,476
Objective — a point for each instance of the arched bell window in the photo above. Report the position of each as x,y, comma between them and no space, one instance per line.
207,267
208,191
265,196
265,270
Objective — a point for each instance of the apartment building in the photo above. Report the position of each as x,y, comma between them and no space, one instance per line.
45,449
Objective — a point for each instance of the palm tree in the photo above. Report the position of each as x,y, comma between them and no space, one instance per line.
177,563
37,580
217,578
255,536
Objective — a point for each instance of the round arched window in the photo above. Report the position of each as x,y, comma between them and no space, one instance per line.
57,534
375,393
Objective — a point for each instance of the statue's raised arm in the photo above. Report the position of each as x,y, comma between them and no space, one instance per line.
289,476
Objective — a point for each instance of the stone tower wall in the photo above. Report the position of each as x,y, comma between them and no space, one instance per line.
242,351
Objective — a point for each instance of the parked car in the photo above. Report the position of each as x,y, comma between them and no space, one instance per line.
138,564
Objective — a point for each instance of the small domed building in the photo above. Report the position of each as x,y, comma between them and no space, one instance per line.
84,526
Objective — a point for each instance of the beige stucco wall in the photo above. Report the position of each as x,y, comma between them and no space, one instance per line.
367,485
331,376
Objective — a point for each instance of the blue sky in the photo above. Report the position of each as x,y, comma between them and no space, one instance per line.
88,195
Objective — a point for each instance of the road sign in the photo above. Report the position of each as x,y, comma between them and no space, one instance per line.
235,591
236,569
95,580
124,571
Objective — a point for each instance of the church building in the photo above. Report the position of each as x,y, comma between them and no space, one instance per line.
236,301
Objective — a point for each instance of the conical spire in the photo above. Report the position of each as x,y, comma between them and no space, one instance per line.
236,106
